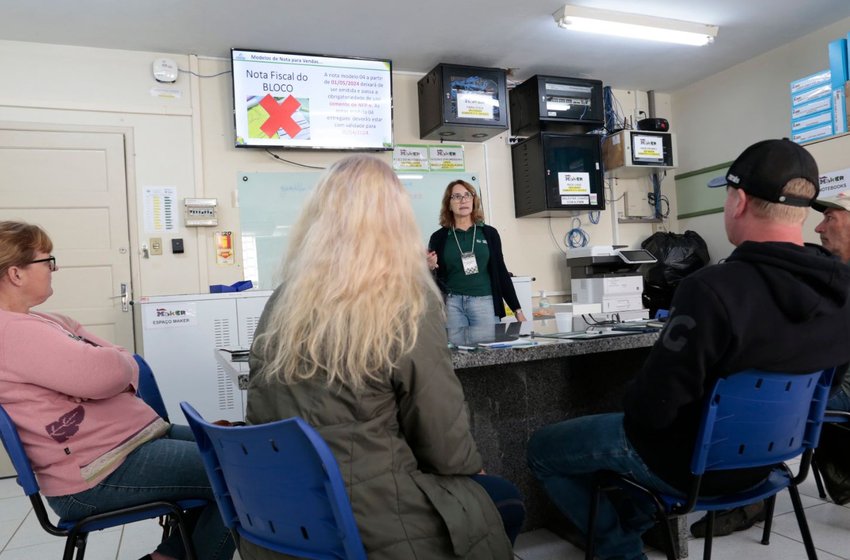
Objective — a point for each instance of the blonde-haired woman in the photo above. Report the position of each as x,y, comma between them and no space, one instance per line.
465,256
353,341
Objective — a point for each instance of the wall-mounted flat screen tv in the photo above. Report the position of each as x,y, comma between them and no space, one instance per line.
307,101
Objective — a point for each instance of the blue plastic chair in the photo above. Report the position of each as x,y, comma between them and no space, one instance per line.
278,486
751,419
148,389
76,531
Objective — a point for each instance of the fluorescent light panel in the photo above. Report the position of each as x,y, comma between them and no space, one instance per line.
635,26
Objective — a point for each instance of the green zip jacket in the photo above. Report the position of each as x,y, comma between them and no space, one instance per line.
405,451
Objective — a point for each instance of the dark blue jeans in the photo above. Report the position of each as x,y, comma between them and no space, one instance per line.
170,469
565,458
508,501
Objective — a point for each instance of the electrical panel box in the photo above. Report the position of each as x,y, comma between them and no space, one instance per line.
462,103
629,154
556,104
200,212
555,172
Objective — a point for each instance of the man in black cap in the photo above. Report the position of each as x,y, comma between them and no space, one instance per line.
772,302
834,231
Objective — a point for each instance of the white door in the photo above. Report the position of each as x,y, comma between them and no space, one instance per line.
72,183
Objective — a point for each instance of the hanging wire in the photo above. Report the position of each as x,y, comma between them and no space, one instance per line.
554,240
203,75
277,157
576,237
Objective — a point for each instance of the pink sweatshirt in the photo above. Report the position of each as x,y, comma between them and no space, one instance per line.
72,402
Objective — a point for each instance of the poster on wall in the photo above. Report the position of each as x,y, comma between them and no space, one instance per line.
224,248
159,209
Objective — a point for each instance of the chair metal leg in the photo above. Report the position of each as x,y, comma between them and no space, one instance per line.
769,505
801,521
188,546
818,479
709,535
75,546
590,538
668,536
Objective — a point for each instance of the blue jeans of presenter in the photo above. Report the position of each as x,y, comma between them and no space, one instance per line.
469,311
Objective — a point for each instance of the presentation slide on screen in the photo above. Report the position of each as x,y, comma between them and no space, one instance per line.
306,101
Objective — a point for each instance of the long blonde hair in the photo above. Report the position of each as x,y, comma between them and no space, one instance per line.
354,281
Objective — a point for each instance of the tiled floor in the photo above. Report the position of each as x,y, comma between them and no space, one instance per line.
22,539
829,524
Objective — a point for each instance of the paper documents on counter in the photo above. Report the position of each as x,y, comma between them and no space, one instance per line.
237,353
519,343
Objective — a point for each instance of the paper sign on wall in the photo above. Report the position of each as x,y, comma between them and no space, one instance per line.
224,248
833,183
160,205
446,158
410,158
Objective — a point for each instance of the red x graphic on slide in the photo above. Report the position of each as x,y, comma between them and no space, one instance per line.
280,116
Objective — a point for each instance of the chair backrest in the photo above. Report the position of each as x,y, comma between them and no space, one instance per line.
279,486
148,390
755,418
15,449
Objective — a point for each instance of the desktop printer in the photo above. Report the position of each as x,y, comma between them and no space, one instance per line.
608,276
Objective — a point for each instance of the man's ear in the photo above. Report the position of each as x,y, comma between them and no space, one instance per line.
740,202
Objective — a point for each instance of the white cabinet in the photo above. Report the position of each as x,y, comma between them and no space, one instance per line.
177,335
522,286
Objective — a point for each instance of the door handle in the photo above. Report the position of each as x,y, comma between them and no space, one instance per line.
125,297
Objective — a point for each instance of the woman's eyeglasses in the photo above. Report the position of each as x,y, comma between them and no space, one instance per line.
51,262
464,196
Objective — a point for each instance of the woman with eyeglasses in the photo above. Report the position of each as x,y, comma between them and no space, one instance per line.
465,255
93,444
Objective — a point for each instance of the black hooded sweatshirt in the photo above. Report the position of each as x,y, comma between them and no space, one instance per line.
771,306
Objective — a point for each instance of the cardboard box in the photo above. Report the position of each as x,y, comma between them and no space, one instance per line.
839,110
799,98
812,107
838,63
814,133
810,121
814,80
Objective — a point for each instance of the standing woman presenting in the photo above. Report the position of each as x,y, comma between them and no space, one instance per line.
466,257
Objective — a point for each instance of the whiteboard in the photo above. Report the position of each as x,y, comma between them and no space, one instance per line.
269,205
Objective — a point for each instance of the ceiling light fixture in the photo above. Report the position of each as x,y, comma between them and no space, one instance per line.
635,26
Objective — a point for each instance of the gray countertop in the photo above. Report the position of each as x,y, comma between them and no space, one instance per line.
549,348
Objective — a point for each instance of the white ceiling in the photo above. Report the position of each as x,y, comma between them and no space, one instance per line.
517,34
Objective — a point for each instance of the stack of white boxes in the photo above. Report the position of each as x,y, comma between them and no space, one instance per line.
811,107
819,101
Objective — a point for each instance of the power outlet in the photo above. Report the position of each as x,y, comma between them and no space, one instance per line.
156,245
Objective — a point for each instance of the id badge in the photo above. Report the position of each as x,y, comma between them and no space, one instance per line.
470,265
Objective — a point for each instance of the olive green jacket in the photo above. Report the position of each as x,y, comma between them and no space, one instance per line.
405,451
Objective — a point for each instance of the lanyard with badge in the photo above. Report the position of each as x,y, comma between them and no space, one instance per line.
470,265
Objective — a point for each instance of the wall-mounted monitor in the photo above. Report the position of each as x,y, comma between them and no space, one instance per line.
629,154
307,101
